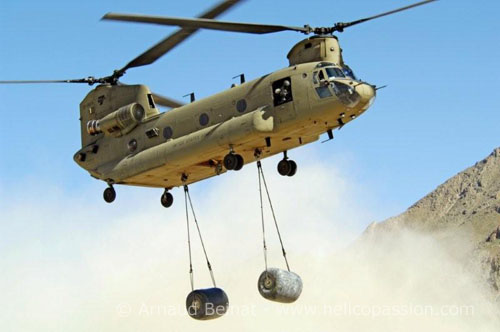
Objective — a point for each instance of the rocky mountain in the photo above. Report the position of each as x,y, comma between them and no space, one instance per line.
466,207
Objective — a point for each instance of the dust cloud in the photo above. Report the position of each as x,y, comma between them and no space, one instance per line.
66,267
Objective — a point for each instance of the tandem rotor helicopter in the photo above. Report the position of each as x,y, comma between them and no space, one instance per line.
127,140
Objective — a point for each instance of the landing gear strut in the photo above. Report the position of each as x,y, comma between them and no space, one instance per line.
233,161
167,199
109,194
287,167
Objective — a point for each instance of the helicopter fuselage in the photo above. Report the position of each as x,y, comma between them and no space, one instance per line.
257,119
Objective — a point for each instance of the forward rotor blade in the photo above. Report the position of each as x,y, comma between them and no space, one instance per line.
174,39
203,23
167,102
341,25
209,23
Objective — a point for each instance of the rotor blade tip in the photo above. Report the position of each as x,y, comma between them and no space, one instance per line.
107,16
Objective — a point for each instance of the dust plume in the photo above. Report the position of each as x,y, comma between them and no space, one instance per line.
70,266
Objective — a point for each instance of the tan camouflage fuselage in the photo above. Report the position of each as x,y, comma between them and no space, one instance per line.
257,119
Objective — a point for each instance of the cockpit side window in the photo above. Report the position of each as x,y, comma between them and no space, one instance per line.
321,85
321,75
323,92
315,77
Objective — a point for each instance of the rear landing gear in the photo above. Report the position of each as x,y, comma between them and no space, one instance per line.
109,194
233,161
167,199
287,167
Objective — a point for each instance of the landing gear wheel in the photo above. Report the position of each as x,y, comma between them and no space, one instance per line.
240,162
230,161
287,167
109,194
293,165
167,199
284,167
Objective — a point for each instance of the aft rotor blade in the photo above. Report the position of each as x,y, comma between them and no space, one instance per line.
165,101
81,80
204,23
174,39
342,25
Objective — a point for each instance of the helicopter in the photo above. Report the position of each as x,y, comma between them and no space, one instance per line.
126,140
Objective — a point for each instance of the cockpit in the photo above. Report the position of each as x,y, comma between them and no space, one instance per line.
334,71
327,80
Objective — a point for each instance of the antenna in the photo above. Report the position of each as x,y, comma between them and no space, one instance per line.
242,78
192,97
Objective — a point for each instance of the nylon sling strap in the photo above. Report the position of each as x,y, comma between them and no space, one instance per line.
261,177
187,198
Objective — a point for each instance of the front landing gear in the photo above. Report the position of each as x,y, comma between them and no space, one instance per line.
109,194
167,199
287,167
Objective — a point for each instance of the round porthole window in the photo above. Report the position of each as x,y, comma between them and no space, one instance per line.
241,105
168,132
204,119
132,145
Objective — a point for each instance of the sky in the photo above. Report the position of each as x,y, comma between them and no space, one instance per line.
438,115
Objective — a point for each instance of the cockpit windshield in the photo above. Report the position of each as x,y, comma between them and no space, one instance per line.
349,73
334,72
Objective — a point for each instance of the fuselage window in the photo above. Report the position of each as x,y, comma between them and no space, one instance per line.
241,105
204,119
168,132
132,145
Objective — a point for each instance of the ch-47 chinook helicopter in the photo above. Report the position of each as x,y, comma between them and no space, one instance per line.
127,140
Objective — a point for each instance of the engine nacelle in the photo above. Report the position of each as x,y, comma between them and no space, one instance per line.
119,122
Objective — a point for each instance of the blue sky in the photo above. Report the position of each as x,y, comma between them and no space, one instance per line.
68,258
438,115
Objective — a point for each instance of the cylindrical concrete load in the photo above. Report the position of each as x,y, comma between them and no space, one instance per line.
205,304
280,285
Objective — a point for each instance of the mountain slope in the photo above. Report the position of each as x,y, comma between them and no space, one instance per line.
467,207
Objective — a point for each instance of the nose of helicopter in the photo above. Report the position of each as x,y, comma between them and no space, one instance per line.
367,93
